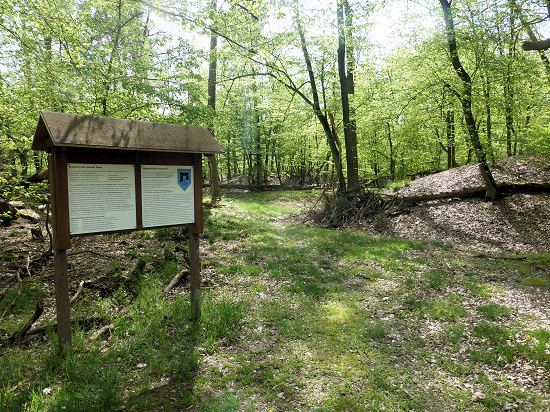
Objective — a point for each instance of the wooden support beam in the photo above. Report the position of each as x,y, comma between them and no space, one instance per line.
62,300
57,164
195,273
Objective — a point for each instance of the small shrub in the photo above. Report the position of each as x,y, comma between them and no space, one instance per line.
395,186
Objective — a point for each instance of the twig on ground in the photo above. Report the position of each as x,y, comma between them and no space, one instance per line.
78,292
14,277
98,333
176,280
81,322
20,334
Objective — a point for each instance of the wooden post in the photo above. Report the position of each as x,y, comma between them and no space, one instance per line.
195,273
62,300
194,237
61,240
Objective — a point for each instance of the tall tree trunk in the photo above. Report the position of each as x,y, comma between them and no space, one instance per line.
508,97
346,72
487,95
266,162
228,157
23,162
466,102
375,165
392,156
215,191
322,117
258,166
451,141
508,88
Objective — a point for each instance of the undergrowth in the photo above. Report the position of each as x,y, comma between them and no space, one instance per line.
296,317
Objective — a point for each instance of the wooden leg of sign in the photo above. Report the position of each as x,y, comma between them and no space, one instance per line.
62,300
195,274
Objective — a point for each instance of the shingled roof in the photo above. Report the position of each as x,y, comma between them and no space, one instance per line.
75,130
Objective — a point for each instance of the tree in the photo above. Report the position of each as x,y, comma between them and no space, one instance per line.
330,133
465,97
212,68
346,69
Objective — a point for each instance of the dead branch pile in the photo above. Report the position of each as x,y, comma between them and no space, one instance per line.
352,208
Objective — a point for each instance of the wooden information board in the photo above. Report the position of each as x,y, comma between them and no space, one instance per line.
110,175
102,198
167,195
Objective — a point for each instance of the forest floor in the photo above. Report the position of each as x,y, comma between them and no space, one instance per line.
443,306
517,222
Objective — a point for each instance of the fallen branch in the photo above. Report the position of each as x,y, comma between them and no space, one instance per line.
41,330
20,334
81,322
176,280
503,188
78,292
468,192
14,277
98,333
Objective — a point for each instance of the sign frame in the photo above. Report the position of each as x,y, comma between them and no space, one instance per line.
62,156
84,139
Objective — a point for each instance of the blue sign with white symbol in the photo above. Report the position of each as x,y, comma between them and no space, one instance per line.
184,178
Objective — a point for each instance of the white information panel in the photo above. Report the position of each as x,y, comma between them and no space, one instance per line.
168,196
102,197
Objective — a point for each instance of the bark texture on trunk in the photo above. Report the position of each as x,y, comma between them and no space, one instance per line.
215,191
345,71
321,116
466,102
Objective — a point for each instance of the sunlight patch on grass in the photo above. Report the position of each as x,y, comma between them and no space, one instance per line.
261,209
337,313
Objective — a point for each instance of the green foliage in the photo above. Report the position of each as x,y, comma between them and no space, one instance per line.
375,331
398,184
493,311
18,304
224,403
299,308
221,319
165,233
437,278
499,352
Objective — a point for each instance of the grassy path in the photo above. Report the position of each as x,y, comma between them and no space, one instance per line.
307,319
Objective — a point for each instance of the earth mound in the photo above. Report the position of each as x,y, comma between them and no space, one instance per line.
517,222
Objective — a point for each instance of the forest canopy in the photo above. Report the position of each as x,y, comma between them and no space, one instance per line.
299,94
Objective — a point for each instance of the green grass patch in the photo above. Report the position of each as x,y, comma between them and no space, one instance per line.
493,311
398,184
437,278
294,317
495,349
